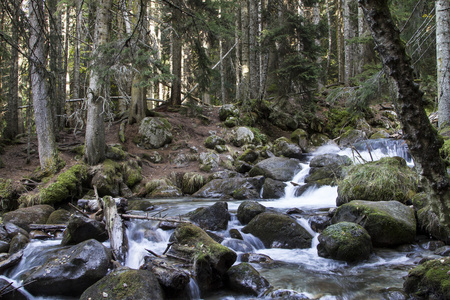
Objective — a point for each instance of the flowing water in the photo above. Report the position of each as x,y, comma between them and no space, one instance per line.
301,270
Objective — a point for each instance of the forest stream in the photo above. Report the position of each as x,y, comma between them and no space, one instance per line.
302,270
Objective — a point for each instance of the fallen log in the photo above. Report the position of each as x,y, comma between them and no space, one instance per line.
48,227
116,229
127,216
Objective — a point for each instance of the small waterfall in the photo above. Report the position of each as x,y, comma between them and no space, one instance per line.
194,290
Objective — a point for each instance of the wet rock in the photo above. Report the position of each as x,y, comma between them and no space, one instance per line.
278,231
273,189
4,247
443,251
386,179
9,292
319,222
214,217
168,191
277,168
141,204
228,110
18,242
255,258
242,136
69,271
237,188
352,136
235,234
12,230
238,245
284,147
173,279
287,295
429,280
107,178
211,260
345,241
23,217
154,133
300,137
327,169
389,223
125,284
245,279
247,210
81,229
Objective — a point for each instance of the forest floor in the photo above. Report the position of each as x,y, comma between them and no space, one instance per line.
189,130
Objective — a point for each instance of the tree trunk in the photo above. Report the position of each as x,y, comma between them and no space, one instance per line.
349,15
116,229
254,74
48,154
95,147
175,95
138,105
418,132
245,51
443,60
12,114
340,41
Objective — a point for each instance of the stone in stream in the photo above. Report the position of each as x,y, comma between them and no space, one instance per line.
237,188
345,241
247,210
278,168
277,230
244,278
125,284
214,217
68,271
81,229
23,217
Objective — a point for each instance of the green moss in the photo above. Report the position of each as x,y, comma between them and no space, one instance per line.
383,180
430,278
338,118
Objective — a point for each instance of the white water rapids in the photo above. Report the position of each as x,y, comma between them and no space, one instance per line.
301,270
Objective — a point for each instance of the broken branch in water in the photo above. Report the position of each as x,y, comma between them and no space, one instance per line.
152,218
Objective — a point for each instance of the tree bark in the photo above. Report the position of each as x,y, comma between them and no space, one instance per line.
443,60
340,41
420,135
349,15
95,147
48,153
116,229
175,94
12,115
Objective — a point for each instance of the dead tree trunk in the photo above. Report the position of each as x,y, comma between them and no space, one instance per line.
116,229
418,132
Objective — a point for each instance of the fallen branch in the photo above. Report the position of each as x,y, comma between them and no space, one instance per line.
153,253
47,227
126,216
79,210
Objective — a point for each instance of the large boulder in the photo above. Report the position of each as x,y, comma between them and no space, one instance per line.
125,284
209,161
284,147
386,179
228,110
242,136
132,172
154,133
277,230
108,178
389,223
23,217
300,137
278,168
81,229
214,217
237,188
327,169
68,271
352,136
245,279
273,189
247,210
171,276
429,280
345,241
211,260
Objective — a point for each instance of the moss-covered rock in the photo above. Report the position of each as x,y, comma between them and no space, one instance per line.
249,155
228,110
60,216
429,280
192,182
81,229
125,284
154,133
107,178
132,172
115,152
8,195
387,179
300,137
389,223
211,260
68,185
278,168
245,279
242,136
209,161
345,241
319,139
284,147
327,169
213,140
277,230
23,217
247,210
231,122
273,189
